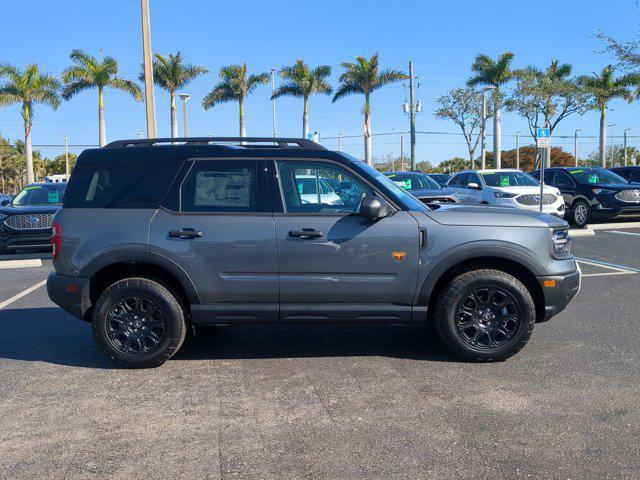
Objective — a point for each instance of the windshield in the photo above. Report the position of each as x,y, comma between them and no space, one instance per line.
509,179
415,181
40,195
595,175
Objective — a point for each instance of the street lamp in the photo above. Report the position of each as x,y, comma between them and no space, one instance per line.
625,145
66,155
518,149
612,160
483,148
575,145
185,98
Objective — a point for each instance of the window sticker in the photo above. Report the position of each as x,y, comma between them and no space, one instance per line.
400,183
407,184
593,178
53,196
576,171
223,189
504,181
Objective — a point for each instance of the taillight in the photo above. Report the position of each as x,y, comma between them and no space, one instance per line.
56,239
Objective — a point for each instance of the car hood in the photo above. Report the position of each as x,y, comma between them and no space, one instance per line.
430,192
527,190
13,210
485,216
613,186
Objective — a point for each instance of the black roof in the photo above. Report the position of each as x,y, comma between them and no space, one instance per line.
159,149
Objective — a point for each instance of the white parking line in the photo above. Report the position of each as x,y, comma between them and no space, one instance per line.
611,266
623,233
34,262
22,294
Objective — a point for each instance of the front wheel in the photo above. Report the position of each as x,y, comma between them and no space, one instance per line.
138,323
580,213
485,315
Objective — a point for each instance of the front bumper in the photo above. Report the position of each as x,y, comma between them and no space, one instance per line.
70,293
556,209
616,209
13,240
558,291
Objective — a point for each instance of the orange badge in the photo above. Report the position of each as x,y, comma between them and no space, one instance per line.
399,256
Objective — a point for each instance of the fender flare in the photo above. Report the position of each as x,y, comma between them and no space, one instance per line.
478,249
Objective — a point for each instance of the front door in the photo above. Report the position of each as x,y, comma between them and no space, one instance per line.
335,265
218,229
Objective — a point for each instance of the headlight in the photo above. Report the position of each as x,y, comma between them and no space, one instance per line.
602,191
504,195
560,244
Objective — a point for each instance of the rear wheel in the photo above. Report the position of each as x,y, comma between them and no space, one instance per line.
580,213
485,315
138,323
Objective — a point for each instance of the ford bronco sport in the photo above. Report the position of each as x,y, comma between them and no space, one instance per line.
158,236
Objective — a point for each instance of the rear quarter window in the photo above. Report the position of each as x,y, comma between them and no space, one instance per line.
119,185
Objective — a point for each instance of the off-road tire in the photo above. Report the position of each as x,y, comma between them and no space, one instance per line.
164,298
458,289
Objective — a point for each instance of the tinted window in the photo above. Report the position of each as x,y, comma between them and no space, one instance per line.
562,179
509,179
50,194
473,178
223,186
414,181
460,180
595,175
119,185
306,188
635,176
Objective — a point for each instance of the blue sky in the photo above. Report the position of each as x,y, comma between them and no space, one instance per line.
442,39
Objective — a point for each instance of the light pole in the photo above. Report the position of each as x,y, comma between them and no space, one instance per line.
575,145
611,148
340,141
518,149
185,98
141,134
148,71
402,151
66,155
483,137
273,101
625,145
393,148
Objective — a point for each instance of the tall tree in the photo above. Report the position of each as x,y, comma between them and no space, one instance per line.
363,77
28,87
89,73
546,97
172,74
302,82
493,73
604,87
463,106
235,85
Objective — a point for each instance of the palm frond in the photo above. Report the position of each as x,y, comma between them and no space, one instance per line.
126,86
288,89
222,93
346,89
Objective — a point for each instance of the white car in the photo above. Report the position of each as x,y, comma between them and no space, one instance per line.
505,188
308,187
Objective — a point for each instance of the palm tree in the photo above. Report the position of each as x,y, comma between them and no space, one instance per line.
364,76
303,82
88,73
603,88
494,74
236,85
171,74
28,87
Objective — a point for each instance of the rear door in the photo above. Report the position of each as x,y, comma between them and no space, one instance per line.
335,265
563,182
217,227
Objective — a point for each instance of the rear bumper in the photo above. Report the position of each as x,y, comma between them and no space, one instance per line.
558,291
70,293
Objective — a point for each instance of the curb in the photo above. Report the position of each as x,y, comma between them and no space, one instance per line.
35,262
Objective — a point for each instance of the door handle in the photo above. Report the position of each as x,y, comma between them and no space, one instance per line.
305,233
185,233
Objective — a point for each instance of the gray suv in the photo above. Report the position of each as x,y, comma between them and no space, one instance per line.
159,236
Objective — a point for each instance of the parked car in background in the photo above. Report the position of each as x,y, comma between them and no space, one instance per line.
631,173
25,222
155,238
593,193
422,186
441,178
505,188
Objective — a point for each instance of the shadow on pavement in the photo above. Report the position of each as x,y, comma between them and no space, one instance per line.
53,336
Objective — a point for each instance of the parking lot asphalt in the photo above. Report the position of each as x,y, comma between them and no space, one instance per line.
329,402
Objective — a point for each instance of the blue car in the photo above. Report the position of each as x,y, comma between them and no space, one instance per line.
422,186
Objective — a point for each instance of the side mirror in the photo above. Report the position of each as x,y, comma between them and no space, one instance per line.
5,202
374,207
473,186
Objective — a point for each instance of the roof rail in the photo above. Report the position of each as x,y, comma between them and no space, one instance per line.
246,142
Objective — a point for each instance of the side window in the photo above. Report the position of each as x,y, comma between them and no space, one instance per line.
223,186
473,178
562,179
320,188
549,177
460,180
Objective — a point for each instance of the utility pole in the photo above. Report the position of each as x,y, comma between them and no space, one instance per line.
273,101
612,125
402,151
340,141
518,149
66,155
412,119
483,137
575,145
625,145
148,71
185,98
